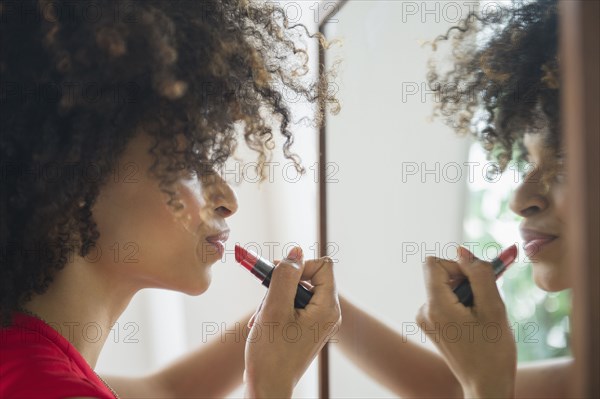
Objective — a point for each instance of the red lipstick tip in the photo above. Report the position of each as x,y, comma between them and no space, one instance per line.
245,258
509,255
239,253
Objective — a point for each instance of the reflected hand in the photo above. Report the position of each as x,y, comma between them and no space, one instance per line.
477,342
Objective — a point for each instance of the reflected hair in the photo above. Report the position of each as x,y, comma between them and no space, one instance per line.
504,79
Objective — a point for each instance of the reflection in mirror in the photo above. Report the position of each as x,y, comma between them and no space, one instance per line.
403,187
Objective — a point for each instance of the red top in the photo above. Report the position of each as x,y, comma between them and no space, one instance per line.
38,362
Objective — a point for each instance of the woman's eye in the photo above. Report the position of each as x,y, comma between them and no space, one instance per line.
560,173
527,167
560,176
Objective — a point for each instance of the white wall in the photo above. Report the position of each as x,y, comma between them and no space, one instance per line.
385,222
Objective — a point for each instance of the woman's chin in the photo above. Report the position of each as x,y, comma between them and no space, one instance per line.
197,289
197,284
549,276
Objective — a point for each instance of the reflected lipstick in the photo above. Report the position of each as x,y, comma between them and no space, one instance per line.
500,264
263,269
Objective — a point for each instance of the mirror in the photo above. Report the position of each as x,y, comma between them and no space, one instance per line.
389,206
401,187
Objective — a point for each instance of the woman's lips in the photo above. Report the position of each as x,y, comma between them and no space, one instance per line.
219,246
534,241
217,241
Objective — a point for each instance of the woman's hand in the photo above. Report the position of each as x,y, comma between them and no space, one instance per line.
477,342
283,340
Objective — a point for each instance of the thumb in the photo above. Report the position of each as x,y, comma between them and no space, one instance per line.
279,301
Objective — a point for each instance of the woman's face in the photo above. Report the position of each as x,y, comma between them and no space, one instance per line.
541,200
143,242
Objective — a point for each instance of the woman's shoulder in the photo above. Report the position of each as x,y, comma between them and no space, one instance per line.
29,344
35,364
31,341
39,370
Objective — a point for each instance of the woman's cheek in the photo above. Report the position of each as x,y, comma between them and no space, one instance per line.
194,212
560,193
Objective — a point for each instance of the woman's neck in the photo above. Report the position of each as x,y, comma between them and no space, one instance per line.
82,303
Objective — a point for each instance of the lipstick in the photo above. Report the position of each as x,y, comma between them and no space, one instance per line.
500,264
263,269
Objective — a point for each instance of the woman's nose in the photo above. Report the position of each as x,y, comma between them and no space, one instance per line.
530,197
222,197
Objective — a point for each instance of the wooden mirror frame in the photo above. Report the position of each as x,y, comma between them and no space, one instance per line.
581,128
331,8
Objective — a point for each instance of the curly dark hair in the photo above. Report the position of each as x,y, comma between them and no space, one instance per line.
79,79
505,77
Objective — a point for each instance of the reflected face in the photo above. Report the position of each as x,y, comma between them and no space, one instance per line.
541,200
143,242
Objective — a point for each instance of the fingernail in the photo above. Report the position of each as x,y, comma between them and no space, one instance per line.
295,253
465,253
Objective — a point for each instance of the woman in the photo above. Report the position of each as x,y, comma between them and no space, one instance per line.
115,119
507,69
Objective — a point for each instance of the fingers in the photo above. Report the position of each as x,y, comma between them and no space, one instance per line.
440,275
319,271
284,280
320,274
311,267
315,275
482,279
